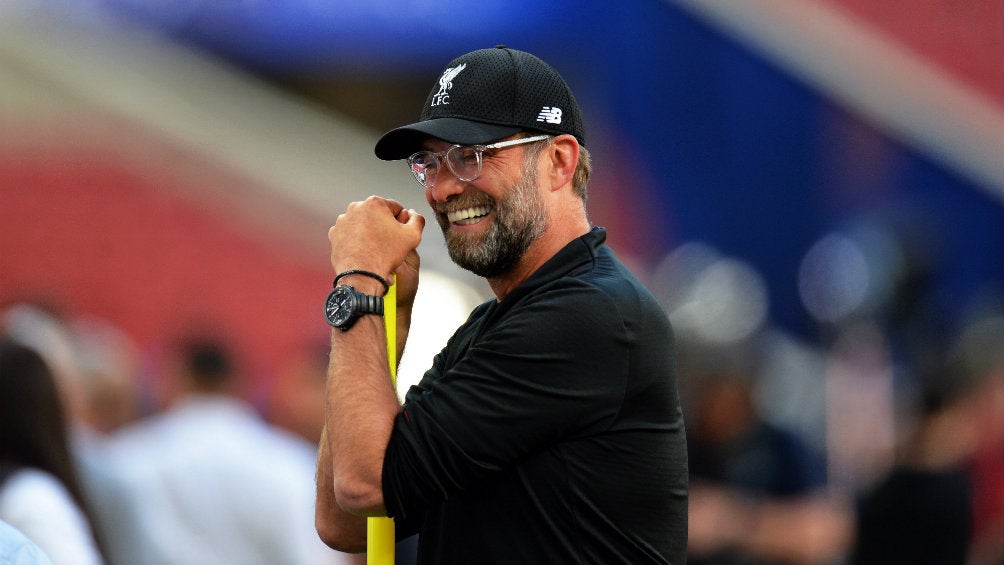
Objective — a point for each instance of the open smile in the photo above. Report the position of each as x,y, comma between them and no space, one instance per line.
468,216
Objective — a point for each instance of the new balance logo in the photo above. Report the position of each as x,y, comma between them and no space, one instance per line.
550,114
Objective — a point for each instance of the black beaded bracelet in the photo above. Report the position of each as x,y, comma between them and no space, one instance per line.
383,281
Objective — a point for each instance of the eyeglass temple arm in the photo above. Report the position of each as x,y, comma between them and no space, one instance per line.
502,144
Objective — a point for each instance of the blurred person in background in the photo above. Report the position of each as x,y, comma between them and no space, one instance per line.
108,363
95,366
40,493
982,354
296,399
211,481
42,327
17,549
758,493
921,512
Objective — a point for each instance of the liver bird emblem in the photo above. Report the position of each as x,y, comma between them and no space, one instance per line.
446,81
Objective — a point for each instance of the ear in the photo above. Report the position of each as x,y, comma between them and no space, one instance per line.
563,156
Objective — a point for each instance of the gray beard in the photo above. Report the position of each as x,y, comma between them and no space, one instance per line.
520,219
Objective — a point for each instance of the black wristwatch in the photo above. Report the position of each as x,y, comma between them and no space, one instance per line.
345,305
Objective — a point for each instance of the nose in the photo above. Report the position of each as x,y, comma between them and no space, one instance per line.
447,184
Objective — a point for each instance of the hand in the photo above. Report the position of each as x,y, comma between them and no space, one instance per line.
407,271
377,235
407,280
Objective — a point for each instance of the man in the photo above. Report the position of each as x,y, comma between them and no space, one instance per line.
548,430
210,481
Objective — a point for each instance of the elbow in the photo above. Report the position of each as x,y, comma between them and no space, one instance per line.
340,520
340,525
337,536
360,497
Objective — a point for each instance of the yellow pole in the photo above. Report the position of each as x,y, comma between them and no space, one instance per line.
380,530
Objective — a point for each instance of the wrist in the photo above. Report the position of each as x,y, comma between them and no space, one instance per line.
364,284
361,275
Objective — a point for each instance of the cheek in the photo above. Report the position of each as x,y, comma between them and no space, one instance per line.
502,169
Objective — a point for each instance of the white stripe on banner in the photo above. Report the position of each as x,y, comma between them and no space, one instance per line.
856,65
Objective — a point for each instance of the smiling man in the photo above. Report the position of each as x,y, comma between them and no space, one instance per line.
548,429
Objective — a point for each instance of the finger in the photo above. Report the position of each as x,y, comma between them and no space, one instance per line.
415,219
394,206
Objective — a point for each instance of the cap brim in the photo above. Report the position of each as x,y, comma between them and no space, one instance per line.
401,142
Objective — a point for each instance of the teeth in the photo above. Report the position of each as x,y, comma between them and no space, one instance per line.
467,213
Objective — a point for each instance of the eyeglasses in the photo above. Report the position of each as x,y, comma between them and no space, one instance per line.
463,160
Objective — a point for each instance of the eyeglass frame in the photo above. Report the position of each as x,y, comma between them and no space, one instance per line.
479,151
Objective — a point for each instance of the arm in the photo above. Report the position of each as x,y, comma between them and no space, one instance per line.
336,527
380,236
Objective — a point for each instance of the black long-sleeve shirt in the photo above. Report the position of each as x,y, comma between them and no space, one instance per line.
549,429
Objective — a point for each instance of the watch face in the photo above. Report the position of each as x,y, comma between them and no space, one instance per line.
338,307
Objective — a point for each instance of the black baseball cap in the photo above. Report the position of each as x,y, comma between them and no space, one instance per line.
487,95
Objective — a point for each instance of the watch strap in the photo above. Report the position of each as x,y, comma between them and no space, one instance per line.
368,304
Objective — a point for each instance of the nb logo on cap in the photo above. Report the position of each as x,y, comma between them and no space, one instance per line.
550,114
442,96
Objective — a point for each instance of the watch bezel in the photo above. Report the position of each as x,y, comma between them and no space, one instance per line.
344,305
340,307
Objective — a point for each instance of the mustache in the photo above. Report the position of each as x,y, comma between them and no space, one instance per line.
463,201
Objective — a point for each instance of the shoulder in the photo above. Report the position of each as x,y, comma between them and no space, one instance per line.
604,296
38,504
568,304
33,496
27,486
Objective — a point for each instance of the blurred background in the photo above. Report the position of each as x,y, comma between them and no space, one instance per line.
814,189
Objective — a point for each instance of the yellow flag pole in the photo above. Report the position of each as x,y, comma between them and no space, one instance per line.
380,530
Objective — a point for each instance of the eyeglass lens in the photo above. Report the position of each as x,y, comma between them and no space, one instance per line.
463,161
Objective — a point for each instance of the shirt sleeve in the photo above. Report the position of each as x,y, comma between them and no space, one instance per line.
16,549
38,505
554,367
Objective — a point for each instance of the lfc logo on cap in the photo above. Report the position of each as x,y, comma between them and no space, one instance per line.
445,84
